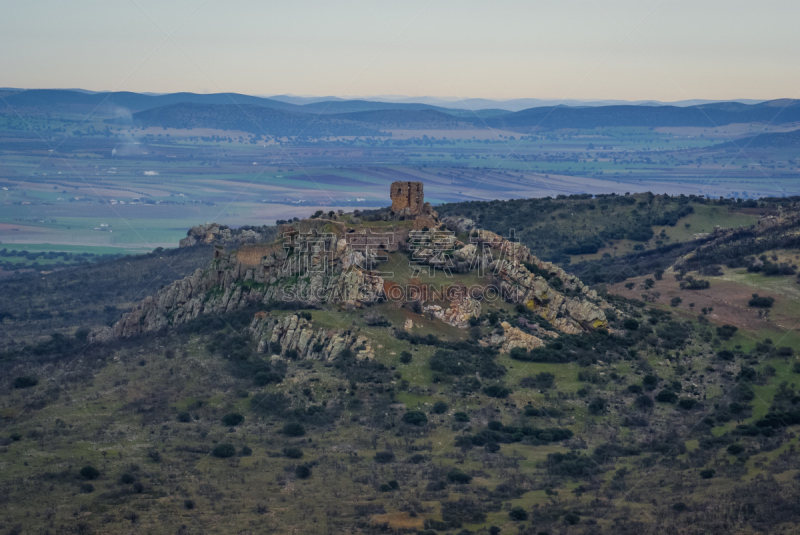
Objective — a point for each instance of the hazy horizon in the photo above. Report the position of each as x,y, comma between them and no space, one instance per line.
616,50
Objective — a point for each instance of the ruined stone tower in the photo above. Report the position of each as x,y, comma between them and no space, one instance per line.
407,198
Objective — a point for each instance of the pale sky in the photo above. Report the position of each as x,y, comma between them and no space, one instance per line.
594,49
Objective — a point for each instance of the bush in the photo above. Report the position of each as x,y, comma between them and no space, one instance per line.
302,472
223,451
667,396
126,479
687,403
87,488
188,504
293,429
644,402
735,449
597,406
496,391
707,473
440,407
384,457
461,417
293,453
266,378
405,357
761,302
232,419
90,472
572,519
415,418
631,324
184,417
25,382
726,332
246,451
457,476
518,514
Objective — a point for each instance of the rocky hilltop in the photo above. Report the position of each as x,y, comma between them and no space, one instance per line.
336,263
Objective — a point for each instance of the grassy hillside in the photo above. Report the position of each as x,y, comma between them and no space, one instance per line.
675,408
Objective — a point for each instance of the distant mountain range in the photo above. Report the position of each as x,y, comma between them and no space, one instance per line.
518,104
286,115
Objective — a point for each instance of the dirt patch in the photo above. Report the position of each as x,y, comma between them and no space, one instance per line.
399,520
727,298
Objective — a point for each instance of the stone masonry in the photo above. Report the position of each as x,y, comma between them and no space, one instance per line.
407,198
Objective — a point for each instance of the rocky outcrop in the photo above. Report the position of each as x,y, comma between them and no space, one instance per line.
308,268
295,333
214,233
560,298
513,337
462,308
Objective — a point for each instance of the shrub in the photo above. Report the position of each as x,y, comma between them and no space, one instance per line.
188,504
650,382
223,451
726,331
184,417
644,402
126,479
597,406
232,419
761,302
293,429
667,396
415,418
675,301
707,473
90,472
679,507
457,476
384,457
461,417
635,389
293,453
246,451
87,488
416,458
266,378
518,514
735,449
687,403
25,382
405,357
302,472
496,391
631,324
726,354
440,407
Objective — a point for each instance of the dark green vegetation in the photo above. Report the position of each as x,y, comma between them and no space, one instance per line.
73,300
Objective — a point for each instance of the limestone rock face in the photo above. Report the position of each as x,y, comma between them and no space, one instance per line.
296,333
291,270
214,233
513,337
561,298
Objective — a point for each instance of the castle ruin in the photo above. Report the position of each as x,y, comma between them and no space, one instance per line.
407,198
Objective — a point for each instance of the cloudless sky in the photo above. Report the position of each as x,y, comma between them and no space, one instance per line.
601,49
